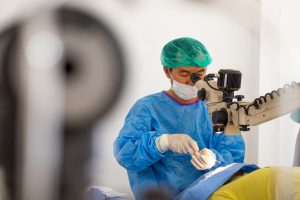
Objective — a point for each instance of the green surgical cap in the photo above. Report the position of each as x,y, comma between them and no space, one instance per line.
184,52
296,115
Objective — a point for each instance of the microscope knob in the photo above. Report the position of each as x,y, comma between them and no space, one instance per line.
239,97
202,94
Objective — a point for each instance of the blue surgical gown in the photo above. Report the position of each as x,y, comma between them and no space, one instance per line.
159,113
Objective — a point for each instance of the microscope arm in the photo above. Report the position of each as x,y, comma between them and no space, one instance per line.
242,114
264,108
273,105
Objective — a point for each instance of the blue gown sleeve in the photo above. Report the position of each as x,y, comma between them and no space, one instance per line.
135,147
228,148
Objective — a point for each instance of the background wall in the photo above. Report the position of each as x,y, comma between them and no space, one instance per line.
279,64
259,38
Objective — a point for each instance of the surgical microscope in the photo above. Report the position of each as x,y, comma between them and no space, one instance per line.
230,113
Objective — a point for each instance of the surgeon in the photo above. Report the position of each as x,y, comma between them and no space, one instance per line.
167,140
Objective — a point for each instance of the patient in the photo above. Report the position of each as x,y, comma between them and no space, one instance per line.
266,183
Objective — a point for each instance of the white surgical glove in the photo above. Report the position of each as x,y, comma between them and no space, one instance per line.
204,159
179,143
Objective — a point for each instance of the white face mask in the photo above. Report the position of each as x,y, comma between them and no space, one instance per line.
184,91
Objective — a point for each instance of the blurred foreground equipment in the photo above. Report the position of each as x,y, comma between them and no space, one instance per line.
60,72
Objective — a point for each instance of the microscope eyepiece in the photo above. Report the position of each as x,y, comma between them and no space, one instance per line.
194,77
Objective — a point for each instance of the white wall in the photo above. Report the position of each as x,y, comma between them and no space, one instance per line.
279,64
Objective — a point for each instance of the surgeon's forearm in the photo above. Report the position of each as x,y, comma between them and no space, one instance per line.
224,157
137,154
228,149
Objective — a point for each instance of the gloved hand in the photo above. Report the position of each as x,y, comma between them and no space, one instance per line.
179,143
204,159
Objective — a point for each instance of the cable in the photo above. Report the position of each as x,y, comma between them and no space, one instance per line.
217,89
280,90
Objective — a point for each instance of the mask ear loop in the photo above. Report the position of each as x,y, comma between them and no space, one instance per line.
170,72
171,80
